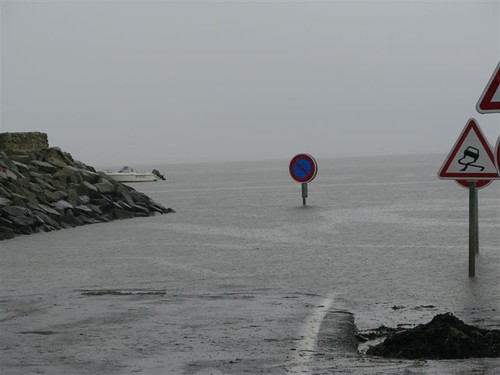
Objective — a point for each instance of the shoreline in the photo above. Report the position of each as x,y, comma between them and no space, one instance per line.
46,189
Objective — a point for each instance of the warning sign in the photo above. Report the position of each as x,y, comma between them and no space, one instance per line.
471,158
490,99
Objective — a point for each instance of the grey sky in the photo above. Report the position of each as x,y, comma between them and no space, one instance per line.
135,82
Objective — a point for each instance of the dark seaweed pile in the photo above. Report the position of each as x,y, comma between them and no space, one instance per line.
445,337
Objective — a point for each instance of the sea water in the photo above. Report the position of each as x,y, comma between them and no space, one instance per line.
244,277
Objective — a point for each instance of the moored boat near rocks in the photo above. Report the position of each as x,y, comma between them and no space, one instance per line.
46,189
127,174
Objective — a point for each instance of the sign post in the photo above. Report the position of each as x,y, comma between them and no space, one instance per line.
304,194
473,228
476,210
303,168
471,160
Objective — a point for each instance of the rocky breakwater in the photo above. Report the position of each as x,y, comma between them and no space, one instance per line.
45,189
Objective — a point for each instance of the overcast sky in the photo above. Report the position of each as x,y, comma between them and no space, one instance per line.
141,82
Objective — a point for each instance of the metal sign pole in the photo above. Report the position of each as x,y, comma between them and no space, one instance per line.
473,228
477,220
304,193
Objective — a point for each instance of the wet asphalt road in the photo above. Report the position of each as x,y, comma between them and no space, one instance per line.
242,279
65,311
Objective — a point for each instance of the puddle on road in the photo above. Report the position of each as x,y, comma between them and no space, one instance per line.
118,292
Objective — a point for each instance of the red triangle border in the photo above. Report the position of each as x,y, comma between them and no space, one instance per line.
485,103
471,126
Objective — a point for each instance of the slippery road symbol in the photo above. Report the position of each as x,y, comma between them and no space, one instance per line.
471,155
471,158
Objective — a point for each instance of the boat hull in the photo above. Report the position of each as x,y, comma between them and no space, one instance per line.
132,176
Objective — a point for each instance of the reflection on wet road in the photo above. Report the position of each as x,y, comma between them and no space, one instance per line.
243,279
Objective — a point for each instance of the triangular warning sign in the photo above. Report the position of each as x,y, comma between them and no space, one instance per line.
471,158
490,99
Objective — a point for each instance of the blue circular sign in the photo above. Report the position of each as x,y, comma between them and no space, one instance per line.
303,168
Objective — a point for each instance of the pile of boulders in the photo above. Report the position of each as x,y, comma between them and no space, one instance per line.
45,189
444,337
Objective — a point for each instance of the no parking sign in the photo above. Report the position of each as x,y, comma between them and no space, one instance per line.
303,168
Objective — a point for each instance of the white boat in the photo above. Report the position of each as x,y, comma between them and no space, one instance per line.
127,174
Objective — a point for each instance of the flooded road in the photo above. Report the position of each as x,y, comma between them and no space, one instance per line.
243,279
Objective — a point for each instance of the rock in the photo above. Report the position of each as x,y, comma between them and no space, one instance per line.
62,205
127,197
44,166
5,202
48,221
35,188
6,223
73,197
84,199
54,196
139,208
67,175
38,180
104,205
90,188
96,210
105,187
6,233
69,218
445,337
22,168
4,193
122,214
88,220
9,174
84,209
47,210
44,189
16,211
160,209
24,224
19,199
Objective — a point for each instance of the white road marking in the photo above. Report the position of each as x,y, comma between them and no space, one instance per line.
309,331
